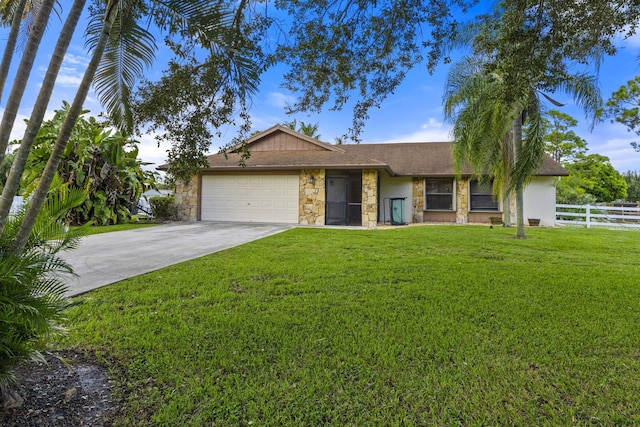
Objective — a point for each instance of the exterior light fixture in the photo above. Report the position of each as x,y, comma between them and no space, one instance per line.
312,179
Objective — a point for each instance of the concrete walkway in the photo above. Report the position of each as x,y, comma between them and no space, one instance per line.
103,259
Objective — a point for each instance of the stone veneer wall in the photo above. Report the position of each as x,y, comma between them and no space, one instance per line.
417,205
312,197
462,201
186,197
369,198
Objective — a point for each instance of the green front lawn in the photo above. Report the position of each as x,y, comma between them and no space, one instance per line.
433,325
99,229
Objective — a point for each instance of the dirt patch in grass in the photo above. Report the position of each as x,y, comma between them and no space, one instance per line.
75,392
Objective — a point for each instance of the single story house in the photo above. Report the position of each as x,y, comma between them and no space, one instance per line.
292,178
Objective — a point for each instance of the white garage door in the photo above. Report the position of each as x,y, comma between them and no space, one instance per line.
250,198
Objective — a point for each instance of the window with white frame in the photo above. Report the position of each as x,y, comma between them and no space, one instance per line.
481,196
439,194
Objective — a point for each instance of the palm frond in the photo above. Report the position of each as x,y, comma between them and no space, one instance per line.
130,50
217,27
585,92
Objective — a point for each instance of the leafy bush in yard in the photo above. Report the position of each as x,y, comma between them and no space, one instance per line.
164,208
32,292
103,162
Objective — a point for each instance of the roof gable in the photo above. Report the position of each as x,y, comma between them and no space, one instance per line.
282,138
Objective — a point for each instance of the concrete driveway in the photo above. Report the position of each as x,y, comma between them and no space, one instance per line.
107,258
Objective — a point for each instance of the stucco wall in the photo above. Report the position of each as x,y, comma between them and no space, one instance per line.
395,187
540,200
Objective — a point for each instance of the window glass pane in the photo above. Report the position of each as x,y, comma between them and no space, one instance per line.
440,201
483,203
439,194
439,186
482,197
485,188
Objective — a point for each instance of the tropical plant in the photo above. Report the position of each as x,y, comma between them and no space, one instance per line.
32,289
5,166
38,112
308,129
129,46
14,17
26,64
491,95
101,161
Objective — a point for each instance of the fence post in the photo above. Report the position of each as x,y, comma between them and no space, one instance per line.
588,216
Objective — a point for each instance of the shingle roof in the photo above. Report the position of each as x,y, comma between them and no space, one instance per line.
399,159
429,159
294,160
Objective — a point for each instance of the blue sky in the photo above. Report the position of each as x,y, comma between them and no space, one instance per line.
412,114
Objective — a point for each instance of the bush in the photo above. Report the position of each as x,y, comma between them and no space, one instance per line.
164,208
32,287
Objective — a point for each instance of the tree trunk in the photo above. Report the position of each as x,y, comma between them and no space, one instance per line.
22,75
507,169
40,195
9,50
517,149
506,204
39,110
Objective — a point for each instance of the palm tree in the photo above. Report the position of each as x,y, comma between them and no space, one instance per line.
7,57
32,295
488,124
22,74
37,114
310,130
125,45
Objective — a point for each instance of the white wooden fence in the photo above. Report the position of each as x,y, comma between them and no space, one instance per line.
598,216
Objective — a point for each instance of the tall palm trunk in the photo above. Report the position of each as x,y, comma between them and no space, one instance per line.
507,169
10,48
517,149
40,194
22,75
39,110
506,208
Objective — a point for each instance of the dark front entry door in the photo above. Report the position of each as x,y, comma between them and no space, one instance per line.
344,198
336,209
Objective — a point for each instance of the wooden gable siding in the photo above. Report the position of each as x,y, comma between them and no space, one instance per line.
282,142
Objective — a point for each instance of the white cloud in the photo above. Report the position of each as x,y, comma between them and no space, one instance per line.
432,131
71,59
619,151
68,78
19,125
148,151
264,122
280,100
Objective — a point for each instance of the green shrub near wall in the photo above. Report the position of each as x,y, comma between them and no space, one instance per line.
164,208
